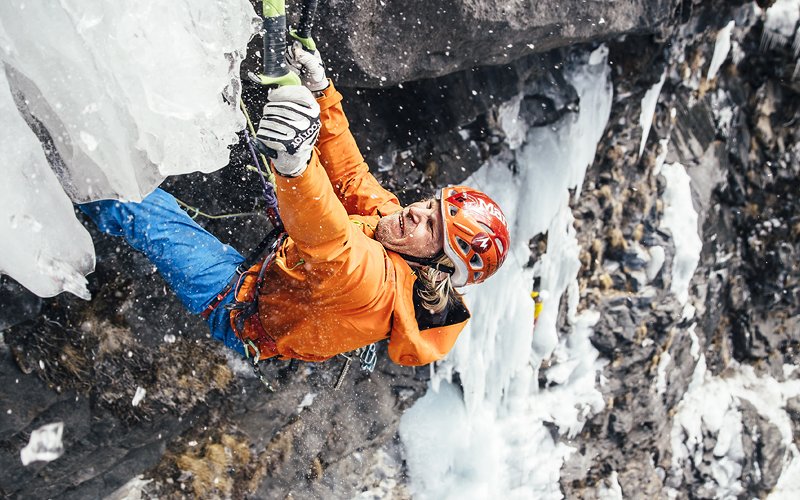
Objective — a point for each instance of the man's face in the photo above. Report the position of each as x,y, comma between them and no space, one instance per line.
416,230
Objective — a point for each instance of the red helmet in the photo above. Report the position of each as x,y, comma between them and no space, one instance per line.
475,234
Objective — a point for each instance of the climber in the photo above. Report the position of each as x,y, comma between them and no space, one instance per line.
355,267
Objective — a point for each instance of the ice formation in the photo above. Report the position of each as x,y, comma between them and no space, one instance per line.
649,102
780,24
129,93
44,445
488,437
710,409
721,49
42,244
680,218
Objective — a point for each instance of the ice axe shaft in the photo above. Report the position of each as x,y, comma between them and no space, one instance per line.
275,70
307,19
303,31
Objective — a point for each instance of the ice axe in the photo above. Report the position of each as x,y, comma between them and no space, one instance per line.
303,32
275,71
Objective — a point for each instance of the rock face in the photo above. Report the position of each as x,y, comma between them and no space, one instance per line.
378,44
424,117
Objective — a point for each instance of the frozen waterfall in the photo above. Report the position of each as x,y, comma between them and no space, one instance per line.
493,440
128,93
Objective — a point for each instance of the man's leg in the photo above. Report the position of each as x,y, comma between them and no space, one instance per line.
194,263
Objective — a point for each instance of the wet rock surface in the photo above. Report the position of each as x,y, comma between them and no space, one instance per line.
206,427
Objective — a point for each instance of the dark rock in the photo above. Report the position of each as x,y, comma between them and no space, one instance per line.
18,303
763,449
453,36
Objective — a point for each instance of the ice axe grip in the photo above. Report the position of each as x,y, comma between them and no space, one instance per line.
307,19
274,37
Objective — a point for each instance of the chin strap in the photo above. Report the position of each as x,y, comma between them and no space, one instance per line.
430,262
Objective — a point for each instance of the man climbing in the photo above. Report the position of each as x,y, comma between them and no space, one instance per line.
355,266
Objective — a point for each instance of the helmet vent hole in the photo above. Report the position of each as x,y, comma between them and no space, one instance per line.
463,245
453,210
476,261
486,228
500,248
477,275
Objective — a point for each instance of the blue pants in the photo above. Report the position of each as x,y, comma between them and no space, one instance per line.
194,263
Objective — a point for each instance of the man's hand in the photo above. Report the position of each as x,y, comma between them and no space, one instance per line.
308,65
290,127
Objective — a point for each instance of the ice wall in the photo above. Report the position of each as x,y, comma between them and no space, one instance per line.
489,437
129,92
42,244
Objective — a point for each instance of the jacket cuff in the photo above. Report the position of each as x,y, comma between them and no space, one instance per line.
330,97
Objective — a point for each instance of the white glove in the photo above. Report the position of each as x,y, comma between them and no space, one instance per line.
308,65
289,128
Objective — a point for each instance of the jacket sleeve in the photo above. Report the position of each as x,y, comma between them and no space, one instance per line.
311,213
357,189
416,348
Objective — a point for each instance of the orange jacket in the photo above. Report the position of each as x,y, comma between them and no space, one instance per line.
332,288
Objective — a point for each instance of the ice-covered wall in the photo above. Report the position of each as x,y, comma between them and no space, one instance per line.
130,92
489,437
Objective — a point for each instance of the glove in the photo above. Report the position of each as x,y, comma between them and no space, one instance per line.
289,128
308,65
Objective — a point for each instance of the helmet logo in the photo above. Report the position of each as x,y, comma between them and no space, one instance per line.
481,243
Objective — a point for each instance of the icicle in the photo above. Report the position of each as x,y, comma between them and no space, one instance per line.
780,23
649,102
721,49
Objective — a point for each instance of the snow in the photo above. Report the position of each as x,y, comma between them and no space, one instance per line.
661,375
721,49
510,122
657,257
307,401
138,396
490,436
649,102
710,410
132,490
613,491
130,93
680,218
44,445
780,23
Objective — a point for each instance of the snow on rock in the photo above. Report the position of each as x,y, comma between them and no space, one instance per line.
649,102
307,401
42,244
612,490
490,436
680,218
780,23
710,410
44,445
132,490
512,125
130,93
721,49
138,396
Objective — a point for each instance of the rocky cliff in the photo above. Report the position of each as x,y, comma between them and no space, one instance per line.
422,84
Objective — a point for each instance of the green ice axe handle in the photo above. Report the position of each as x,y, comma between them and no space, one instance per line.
274,38
307,19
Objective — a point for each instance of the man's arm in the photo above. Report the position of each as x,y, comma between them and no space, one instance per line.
311,213
358,190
